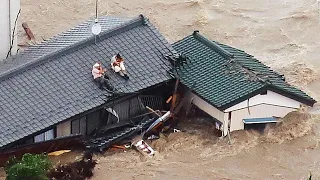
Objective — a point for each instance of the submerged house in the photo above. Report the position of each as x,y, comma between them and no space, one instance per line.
48,92
234,87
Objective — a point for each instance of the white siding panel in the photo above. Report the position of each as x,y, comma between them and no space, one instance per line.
258,111
269,98
206,107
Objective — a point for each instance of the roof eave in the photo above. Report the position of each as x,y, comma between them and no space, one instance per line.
271,88
309,102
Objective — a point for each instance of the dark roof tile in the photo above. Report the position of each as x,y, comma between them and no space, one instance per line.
53,87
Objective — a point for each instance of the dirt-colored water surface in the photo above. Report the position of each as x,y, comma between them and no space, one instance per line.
287,151
283,34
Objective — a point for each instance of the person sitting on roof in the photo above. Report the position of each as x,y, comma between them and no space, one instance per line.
99,76
118,65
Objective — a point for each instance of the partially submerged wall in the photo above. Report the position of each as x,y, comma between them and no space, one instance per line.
207,108
260,106
257,111
269,98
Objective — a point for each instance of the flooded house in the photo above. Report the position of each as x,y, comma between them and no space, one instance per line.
233,87
47,92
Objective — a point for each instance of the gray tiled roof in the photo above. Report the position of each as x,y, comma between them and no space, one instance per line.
59,85
75,34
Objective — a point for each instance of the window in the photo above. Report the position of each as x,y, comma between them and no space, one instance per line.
93,120
79,126
45,136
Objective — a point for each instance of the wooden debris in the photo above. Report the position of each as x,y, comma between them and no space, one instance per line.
28,31
143,147
58,153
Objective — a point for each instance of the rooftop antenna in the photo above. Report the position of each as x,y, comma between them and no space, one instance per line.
96,27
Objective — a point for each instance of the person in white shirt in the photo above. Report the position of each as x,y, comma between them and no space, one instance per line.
99,76
117,65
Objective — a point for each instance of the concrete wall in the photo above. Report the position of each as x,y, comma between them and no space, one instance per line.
8,13
256,111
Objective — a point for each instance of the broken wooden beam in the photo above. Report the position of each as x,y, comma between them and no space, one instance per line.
28,31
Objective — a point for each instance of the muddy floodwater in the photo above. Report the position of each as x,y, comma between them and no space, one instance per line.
287,151
283,34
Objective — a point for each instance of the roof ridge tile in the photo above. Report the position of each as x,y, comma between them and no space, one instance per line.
216,47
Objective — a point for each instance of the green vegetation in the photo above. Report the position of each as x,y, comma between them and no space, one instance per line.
31,166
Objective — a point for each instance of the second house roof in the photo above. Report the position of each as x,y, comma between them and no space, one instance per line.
225,76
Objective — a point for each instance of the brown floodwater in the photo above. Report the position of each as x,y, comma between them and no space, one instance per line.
283,34
287,151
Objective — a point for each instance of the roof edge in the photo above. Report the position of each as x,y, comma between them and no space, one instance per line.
108,103
212,45
140,20
271,88
309,102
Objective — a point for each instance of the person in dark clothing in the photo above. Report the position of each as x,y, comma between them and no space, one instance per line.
99,76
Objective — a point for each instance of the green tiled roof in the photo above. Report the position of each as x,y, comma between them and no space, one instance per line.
225,76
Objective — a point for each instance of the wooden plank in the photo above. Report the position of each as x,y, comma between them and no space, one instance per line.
28,31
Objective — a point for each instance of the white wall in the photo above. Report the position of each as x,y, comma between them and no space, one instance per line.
271,104
269,98
256,111
5,24
206,107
